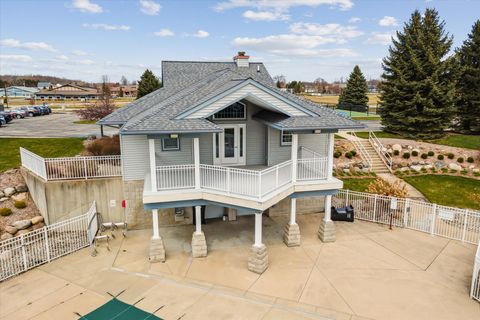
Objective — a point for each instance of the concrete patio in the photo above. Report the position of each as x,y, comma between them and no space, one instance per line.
370,272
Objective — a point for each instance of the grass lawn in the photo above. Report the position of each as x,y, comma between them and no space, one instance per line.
85,122
45,147
359,185
372,99
451,191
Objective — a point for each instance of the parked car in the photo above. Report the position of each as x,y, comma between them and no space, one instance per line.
6,116
2,121
45,110
30,111
19,114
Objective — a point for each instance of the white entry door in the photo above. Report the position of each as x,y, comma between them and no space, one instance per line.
229,146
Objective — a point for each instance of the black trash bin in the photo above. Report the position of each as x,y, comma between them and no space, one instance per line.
343,214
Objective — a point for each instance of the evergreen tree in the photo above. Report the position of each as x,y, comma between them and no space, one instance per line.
355,93
418,88
148,83
468,90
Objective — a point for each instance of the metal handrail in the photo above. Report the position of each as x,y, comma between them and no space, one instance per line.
312,152
378,146
361,149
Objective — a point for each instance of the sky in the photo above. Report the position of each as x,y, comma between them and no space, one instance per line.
300,39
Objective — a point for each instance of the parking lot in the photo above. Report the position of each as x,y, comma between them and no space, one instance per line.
54,125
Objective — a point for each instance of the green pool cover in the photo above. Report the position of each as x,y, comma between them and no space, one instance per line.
118,310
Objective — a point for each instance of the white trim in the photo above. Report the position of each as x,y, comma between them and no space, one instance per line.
170,149
198,219
227,119
282,143
196,161
156,231
237,160
294,156
328,208
153,163
258,229
293,211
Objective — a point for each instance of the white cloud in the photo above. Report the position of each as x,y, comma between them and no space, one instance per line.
150,7
281,4
15,57
354,20
107,27
334,31
383,38
85,62
36,46
86,6
79,53
62,57
201,34
265,15
388,21
164,33
291,45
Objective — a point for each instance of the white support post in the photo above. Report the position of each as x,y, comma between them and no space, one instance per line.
294,156
405,212
465,221
153,165
196,160
258,229
375,207
47,246
432,224
85,167
293,211
331,146
156,231
198,219
328,208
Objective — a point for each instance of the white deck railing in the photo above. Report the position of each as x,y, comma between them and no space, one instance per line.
241,182
448,222
361,149
475,288
380,149
72,167
43,245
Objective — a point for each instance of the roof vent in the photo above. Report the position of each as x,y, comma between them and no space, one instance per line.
258,68
241,59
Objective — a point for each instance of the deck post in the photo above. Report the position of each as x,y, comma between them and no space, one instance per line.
291,232
157,248
199,244
326,232
294,156
196,160
153,165
331,146
258,259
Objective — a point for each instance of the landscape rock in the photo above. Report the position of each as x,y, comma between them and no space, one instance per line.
476,170
428,166
20,196
6,236
2,194
9,191
38,226
11,230
439,164
416,168
20,232
404,169
416,150
3,199
22,224
37,219
454,166
346,170
21,188
397,147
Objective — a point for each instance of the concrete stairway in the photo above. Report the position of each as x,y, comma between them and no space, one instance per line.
378,166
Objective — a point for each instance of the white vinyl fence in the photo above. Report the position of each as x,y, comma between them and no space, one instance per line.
71,167
475,288
448,222
43,245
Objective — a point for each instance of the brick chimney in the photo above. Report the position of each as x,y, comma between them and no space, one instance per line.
241,59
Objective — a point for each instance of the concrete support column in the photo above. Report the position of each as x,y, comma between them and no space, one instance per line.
153,164
331,147
294,156
157,248
258,259
291,232
199,244
196,161
326,232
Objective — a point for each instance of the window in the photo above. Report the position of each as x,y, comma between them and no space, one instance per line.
232,112
286,139
169,144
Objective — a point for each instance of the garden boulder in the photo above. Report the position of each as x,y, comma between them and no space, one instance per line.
6,236
454,166
397,147
10,229
22,224
37,219
21,188
9,191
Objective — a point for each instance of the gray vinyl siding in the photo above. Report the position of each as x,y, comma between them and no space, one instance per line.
206,148
278,153
135,156
174,157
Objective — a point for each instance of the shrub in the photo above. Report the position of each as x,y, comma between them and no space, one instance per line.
424,156
334,174
450,155
460,160
105,146
380,186
470,160
5,212
406,155
476,174
440,157
423,170
353,152
349,155
430,153
373,174
453,171
337,154
433,170
415,153
396,152
20,204
464,171
444,170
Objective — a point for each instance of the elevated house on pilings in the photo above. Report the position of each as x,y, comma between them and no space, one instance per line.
219,139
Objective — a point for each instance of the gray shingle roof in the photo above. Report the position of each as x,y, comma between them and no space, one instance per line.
189,84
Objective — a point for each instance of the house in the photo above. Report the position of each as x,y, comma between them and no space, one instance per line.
43,85
19,91
67,92
220,140
126,90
